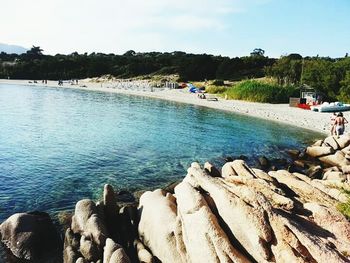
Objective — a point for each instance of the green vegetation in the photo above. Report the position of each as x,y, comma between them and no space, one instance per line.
330,76
35,65
327,75
344,208
258,91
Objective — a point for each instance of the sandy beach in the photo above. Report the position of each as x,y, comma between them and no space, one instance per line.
318,122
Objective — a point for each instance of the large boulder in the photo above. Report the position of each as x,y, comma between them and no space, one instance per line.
159,228
30,236
87,222
246,222
331,142
317,151
338,176
338,159
200,224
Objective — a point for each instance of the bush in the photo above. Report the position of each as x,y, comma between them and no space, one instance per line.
215,89
252,90
344,208
218,82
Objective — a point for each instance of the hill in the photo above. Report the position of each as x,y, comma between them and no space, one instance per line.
12,49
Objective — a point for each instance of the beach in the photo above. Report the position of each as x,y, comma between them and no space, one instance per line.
315,121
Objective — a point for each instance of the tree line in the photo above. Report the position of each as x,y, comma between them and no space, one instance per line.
35,65
328,75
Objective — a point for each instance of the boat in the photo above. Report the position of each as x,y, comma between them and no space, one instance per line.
331,107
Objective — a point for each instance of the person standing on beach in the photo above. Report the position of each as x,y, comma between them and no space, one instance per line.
333,117
339,123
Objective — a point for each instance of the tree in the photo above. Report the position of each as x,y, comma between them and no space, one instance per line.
34,53
257,52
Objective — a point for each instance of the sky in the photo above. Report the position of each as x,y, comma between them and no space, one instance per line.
220,27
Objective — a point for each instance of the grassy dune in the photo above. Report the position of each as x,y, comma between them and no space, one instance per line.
256,91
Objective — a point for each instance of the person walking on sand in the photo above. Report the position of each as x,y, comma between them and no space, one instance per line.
333,117
339,123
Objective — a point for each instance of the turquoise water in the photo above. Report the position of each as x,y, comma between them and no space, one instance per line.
58,145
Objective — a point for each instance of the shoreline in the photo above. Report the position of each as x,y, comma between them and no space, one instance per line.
281,113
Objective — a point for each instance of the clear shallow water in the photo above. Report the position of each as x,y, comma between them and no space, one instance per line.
58,146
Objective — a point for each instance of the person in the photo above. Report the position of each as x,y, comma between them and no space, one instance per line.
333,117
339,123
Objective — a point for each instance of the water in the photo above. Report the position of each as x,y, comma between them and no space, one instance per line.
58,146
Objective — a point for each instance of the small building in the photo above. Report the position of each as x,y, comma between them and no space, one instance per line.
308,97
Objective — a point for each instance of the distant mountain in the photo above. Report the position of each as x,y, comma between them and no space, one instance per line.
12,49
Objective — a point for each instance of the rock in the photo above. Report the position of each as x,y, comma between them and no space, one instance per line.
337,159
323,185
338,176
96,229
111,211
83,210
70,255
159,228
345,169
89,249
333,221
293,153
318,143
314,172
81,260
331,169
264,162
119,256
300,163
143,255
110,201
212,170
170,187
318,151
71,239
109,248
331,142
292,168
237,214
200,224
228,159
30,236
343,141
125,197
248,192
227,170
304,191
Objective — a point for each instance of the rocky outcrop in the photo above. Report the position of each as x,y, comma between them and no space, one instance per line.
236,214
163,239
245,216
30,236
93,228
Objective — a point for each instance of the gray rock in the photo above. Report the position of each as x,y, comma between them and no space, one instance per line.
314,172
89,249
71,239
70,255
83,210
212,170
317,151
30,235
264,162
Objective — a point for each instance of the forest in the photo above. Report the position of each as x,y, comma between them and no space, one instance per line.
331,76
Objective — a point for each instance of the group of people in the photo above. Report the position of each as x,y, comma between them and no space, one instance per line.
338,124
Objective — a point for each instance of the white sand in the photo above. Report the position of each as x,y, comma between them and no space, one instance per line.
319,122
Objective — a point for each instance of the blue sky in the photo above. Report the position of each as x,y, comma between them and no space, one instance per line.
220,27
